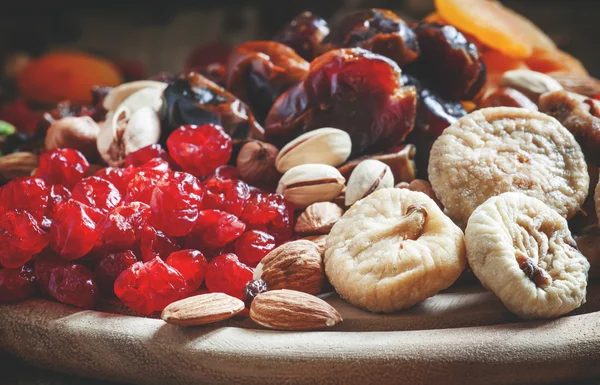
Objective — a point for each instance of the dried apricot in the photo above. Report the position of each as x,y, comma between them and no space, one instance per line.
554,60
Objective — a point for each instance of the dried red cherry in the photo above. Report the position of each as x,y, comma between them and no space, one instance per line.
17,284
43,265
74,285
228,195
156,164
252,289
58,193
64,166
74,231
123,225
304,34
226,274
141,185
20,238
226,172
96,192
253,245
351,89
378,30
110,267
175,203
30,194
270,213
214,229
191,264
154,243
146,154
259,71
119,177
149,287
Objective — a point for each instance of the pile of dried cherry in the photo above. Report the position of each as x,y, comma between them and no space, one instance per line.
171,223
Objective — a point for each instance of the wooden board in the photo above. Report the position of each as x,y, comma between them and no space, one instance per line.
462,335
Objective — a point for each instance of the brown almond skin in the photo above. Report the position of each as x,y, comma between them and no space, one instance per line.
202,309
292,310
318,218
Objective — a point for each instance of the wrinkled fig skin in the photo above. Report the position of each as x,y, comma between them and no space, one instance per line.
580,116
449,61
304,34
434,115
354,90
378,30
259,71
193,99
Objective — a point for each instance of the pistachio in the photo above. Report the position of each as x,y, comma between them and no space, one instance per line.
326,146
318,218
256,163
369,176
119,94
309,183
79,133
530,83
401,161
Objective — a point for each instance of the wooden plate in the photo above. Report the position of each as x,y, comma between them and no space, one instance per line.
462,335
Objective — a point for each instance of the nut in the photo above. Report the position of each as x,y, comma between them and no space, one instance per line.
79,133
369,176
318,218
326,146
508,97
531,83
422,186
319,240
292,310
295,265
18,164
577,83
202,309
118,94
310,183
400,159
256,163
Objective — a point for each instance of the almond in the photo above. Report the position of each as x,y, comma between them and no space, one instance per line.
292,310
318,218
202,309
296,265
18,164
319,240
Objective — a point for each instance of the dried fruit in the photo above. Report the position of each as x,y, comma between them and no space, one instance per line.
16,284
141,186
154,243
96,192
109,267
378,30
226,274
123,226
202,309
369,176
79,133
74,285
253,245
62,166
523,251
214,229
20,238
325,146
506,97
43,265
587,243
551,60
147,154
256,163
292,310
508,149
295,265
119,177
421,186
351,89
149,287
18,164
252,289
392,250
309,183
199,150
228,195
270,213
29,194
304,34
192,266
74,231
318,218
531,83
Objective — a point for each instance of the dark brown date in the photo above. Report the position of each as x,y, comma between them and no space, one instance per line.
304,34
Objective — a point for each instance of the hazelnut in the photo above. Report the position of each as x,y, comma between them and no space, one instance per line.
507,97
79,133
256,163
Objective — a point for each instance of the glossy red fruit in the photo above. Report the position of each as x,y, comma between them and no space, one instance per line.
270,213
74,231
304,34
156,164
149,287
154,243
20,238
146,154
123,225
141,185
74,285
96,192
43,265
64,166
214,229
191,264
226,274
110,267
16,284
176,200
58,193
119,177
253,245
30,194
228,195
199,150
226,172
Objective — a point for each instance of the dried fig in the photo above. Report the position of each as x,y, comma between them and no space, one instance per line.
351,89
304,34
392,250
502,149
523,251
